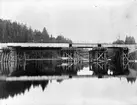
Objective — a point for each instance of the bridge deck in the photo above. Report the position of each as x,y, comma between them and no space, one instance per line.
57,45
90,45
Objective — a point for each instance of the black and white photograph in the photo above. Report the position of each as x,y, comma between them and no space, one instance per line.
68,52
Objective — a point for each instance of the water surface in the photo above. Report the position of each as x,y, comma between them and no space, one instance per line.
54,82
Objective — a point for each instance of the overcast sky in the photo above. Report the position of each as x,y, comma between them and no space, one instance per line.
79,20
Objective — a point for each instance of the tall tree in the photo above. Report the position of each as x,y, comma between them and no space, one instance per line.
130,40
45,35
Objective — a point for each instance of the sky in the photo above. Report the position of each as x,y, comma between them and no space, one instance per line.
80,20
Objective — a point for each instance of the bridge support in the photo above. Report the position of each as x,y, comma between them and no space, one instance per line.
124,58
69,55
100,58
8,55
98,54
8,61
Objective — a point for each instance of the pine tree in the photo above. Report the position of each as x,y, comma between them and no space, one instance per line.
45,35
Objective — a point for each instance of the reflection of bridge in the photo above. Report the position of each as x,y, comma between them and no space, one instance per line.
62,77
39,67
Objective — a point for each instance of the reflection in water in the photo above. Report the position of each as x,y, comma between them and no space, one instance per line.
17,87
57,67
112,70
47,67
15,68
54,67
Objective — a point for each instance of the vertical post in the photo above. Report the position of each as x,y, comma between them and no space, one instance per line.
89,56
24,60
2,56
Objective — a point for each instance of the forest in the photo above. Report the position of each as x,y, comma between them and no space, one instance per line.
19,32
128,40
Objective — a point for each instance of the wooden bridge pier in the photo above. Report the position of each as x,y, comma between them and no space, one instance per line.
101,57
98,54
8,61
125,58
98,60
8,55
69,55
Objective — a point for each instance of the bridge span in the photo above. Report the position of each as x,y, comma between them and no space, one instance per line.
100,55
131,47
61,45
42,45
91,45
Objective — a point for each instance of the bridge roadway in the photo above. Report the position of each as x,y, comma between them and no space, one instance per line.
91,45
43,45
61,45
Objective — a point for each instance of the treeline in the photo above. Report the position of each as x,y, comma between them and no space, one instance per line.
18,32
128,40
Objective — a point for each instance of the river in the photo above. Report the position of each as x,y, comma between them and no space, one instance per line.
54,82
